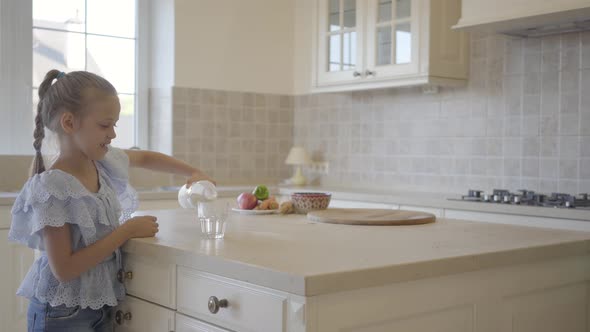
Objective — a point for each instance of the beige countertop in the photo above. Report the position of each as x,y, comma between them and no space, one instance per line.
293,254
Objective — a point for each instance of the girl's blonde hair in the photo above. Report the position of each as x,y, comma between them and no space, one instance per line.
66,94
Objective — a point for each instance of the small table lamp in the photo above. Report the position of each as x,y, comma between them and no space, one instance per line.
298,156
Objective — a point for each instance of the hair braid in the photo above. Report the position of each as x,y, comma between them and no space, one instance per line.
38,135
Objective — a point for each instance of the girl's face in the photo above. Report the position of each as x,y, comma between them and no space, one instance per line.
96,128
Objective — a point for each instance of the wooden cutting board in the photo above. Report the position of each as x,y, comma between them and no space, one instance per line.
371,217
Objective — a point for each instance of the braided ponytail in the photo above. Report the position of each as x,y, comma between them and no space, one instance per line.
39,132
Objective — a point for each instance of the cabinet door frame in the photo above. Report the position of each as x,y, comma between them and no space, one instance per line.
392,70
320,32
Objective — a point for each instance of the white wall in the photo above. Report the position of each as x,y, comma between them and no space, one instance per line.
302,64
161,44
16,59
235,45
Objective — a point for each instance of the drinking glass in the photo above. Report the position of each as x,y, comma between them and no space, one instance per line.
213,218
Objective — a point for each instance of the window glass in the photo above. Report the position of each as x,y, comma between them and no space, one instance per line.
93,35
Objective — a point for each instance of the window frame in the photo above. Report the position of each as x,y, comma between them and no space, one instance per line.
142,75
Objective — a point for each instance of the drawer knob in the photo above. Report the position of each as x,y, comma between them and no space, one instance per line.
122,275
214,304
120,316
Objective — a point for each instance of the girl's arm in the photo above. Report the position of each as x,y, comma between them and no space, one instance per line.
160,162
67,265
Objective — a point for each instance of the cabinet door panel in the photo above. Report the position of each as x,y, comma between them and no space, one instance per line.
339,38
392,38
548,310
151,280
142,316
16,261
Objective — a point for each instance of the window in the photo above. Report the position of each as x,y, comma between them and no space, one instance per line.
100,36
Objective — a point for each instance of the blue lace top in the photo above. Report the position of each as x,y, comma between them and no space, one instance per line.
54,198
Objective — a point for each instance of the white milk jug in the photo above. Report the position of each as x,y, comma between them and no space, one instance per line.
200,191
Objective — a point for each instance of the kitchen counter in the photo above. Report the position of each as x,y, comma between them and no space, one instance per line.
295,255
440,200
425,199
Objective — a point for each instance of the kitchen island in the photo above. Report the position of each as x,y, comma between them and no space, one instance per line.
286,273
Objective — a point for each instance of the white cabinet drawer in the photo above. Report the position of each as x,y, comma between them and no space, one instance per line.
437,212
141,316
150,280
187,324
250,308
338,203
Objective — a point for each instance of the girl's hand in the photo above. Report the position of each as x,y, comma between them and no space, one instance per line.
198,176
141,226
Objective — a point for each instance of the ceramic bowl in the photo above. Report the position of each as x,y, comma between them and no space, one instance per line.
305,202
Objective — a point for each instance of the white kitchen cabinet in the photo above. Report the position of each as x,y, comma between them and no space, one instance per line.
167,287
15,261
135,315
576,225
363,44
536,297
521,15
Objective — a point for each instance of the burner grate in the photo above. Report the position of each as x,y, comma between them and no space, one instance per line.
528,198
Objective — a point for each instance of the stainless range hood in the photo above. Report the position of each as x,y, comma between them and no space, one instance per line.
525,18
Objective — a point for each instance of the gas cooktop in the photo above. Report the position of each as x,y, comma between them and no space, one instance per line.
528,198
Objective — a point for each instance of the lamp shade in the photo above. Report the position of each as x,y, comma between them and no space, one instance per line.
297,156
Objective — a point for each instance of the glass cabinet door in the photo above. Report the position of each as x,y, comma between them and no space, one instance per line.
339,41
391,36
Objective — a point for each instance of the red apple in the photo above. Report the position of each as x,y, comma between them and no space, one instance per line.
247,201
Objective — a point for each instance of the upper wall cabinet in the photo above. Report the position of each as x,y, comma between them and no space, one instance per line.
525,18
365,44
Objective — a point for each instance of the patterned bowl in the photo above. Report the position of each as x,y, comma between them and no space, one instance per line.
305,202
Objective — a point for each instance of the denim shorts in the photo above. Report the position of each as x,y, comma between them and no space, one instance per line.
42,317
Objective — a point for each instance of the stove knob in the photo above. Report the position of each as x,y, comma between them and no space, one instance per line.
474,193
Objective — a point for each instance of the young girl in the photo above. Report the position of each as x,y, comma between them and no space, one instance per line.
73,212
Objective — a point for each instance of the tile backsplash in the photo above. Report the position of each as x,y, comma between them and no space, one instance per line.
235,137
523,121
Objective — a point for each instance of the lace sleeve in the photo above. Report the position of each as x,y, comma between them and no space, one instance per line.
44,202
116,168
